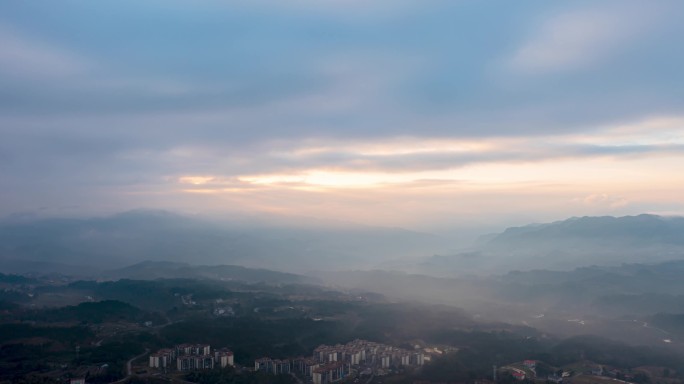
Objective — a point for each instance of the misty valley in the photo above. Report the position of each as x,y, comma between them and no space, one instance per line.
571,311
341,192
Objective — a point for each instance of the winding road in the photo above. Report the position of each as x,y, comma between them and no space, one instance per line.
129,364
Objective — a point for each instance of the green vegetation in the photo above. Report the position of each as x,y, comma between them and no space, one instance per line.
673,322
278,322
603,351
11,296
95,313
37,349
16,279
252,338
8,305
485,350
230,376
478,352
62,334
142,294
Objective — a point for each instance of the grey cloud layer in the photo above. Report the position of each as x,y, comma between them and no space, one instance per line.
126,93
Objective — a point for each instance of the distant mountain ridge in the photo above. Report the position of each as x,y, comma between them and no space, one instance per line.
131,237
641,230
70,245
151,270
568,244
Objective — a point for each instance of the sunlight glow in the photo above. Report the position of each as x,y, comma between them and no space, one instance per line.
195,180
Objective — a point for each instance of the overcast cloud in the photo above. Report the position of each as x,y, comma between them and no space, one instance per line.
342,108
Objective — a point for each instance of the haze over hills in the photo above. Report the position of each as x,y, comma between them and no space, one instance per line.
131,237
586,233
116,241
608,301
569,244
151,270
551,263
186,181
533,296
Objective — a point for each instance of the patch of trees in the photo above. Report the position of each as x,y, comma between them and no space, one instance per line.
69,335
230,376
646,303
158,295
393,323
11,296
49,346
673,322
478,353
95,313
604,351
482,350
8,305
252,338
15,279
142,294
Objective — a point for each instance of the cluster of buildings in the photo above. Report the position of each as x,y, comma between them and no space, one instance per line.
529,371
186,357
333,363
319,372
273,366
522,372
369,353
611,372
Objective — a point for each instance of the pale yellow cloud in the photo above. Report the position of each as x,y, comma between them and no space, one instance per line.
196,180
555,176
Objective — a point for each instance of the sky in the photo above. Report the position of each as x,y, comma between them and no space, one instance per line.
419,114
